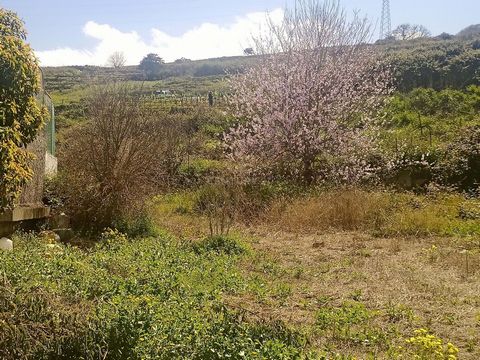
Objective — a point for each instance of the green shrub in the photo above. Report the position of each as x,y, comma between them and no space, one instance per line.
220,244
139,225
199,171
460,165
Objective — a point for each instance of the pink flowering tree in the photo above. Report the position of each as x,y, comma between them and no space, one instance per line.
308,108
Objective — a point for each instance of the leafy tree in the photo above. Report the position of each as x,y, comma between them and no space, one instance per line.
409,32
117,60
466,68
151,66
249,51
20,115
311,98
433,63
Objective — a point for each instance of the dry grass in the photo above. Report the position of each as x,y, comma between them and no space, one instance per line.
379,213
403,281
322,252
349,209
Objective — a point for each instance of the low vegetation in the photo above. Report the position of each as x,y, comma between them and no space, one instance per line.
148,298
306,281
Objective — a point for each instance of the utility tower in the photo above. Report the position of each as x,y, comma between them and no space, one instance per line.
386,25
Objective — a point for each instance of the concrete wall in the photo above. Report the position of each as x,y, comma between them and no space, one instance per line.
51,165
33,192
30,206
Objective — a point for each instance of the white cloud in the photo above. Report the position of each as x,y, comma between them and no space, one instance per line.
205,41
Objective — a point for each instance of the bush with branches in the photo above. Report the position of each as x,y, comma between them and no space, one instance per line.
114,161
460,165
117,60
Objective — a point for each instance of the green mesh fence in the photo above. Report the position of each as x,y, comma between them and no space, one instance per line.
46,101
50,125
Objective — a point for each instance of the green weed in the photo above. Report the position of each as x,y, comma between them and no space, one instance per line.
151,298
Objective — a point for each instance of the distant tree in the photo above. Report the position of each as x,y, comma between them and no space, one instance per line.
182,61
445,36
117,60
470,31
20,115
410,32
307,107
249,51
388,40
151,66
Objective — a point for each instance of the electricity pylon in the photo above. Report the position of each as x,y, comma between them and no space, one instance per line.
386,24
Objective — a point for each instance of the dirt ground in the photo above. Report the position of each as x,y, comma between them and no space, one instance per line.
409,283
397,285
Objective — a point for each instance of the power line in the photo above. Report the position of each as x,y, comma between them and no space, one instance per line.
386,25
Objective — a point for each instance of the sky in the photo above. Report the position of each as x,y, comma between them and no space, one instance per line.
86,32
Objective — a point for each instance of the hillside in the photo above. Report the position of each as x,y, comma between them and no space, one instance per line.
68,77
432,62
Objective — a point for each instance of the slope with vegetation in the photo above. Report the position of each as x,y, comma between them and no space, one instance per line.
422,62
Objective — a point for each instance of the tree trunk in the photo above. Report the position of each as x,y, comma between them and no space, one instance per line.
308,172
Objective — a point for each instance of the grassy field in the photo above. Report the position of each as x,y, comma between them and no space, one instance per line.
153,298
360,274
308,279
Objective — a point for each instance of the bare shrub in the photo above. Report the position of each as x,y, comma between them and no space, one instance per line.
219,203
228,200
174,145
118,158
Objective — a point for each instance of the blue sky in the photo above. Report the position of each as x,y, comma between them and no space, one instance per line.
85,31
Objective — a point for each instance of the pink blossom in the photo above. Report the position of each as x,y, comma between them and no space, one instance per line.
314,95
